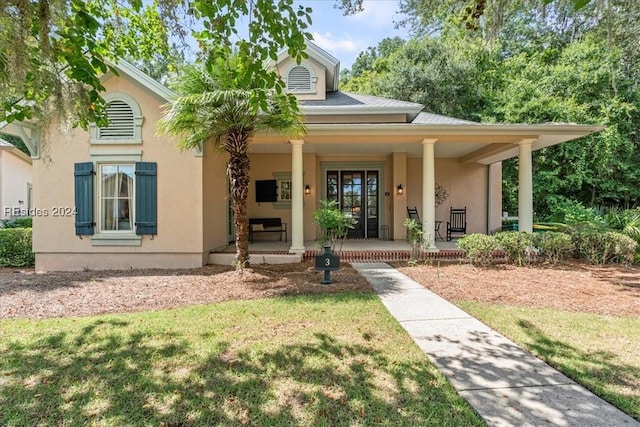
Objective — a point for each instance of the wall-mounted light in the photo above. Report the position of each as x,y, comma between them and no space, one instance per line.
307,190
400,190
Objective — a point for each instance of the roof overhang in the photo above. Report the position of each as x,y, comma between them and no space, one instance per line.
16,152
147,82
348,110
468,143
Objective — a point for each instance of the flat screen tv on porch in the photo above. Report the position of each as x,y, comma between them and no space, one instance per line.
266,191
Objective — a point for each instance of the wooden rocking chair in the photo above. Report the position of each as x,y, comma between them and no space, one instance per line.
457,222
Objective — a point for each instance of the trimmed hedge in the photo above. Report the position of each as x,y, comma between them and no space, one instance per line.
518,245
16,247
479,248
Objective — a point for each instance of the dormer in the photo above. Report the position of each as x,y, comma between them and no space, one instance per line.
313,77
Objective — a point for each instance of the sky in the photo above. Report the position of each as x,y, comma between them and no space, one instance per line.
345,37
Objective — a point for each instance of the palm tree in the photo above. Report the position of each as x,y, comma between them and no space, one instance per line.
208,109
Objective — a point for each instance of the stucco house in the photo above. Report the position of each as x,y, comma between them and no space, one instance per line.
16,182
135,201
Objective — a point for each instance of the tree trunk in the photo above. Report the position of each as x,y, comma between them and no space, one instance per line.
236,145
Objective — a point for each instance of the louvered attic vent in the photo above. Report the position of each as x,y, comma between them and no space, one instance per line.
121,123
299,79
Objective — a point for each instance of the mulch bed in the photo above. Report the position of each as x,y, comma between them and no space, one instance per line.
574,286
26,294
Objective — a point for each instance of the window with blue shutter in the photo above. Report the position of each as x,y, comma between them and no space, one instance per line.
146,190
83,177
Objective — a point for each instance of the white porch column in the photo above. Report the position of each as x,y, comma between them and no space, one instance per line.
525,186
429,193
297,198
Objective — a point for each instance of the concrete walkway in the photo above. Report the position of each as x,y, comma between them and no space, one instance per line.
505,384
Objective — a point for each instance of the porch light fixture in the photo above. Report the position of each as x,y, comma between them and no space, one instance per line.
400,190
307,190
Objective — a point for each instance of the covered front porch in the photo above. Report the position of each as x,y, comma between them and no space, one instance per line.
273,252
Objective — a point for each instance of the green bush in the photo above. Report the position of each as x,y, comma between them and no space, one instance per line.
572,212
334,223
25,222
618,247
414,236
479,248
598,246
15,247
554,246
518,245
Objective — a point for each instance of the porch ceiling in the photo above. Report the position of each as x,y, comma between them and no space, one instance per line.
483,144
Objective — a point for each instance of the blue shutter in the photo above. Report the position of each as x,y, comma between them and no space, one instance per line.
146,214
83,176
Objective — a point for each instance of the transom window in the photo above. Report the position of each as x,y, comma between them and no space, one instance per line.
116,196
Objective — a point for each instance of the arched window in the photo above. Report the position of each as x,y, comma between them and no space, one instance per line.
125,122
300,79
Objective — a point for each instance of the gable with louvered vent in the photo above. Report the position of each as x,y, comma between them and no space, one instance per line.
299,79
125,121
121,121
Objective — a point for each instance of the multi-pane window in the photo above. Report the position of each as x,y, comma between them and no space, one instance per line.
284,190
116,197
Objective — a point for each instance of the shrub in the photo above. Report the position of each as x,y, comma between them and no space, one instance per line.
618,247
479,248
554,246
15,247
334,223
518,245
25,222
414,236
572,212
598,246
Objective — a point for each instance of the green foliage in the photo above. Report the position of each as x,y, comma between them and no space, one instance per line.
414,236
25,222
598,246
571,212
518,245
334,223
53,52
479,248
553,246
625,221
429,71
15,247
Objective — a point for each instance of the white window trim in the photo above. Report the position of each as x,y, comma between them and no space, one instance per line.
313,83
137,122
113,238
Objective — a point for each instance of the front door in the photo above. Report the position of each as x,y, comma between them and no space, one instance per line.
357,196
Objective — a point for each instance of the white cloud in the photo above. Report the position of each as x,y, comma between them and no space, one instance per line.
332,44
377,13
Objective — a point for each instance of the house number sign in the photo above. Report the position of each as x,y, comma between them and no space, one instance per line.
327,262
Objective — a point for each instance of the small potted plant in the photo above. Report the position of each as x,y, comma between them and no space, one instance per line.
334,224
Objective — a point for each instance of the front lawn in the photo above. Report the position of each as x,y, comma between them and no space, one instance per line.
305,360
600,352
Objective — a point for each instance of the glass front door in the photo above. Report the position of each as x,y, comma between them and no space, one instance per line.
357,195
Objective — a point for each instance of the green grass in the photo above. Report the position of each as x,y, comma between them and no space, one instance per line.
600,352
306,360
